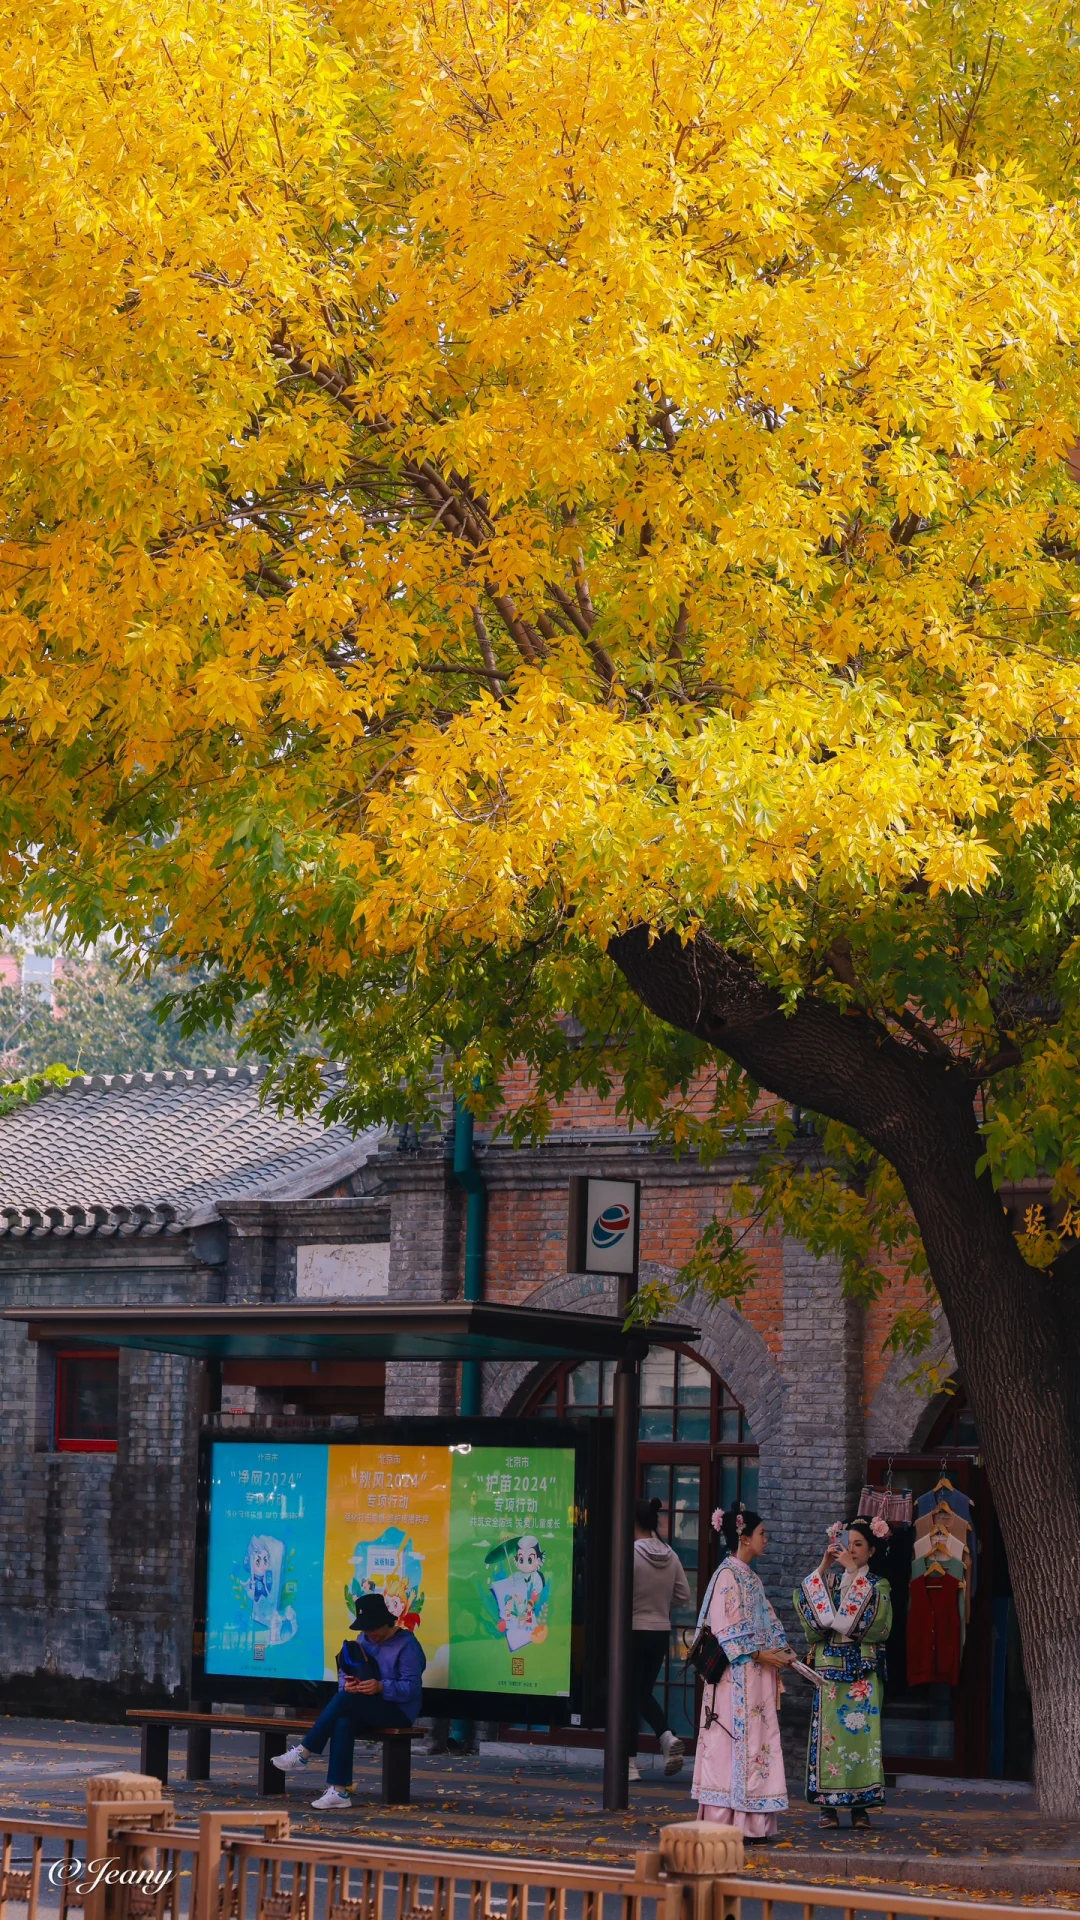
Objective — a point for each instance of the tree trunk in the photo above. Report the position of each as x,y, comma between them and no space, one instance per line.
1014,1330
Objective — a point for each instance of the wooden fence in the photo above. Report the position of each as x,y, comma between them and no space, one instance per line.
128,1860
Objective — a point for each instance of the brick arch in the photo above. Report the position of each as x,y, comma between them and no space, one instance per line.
900,1412
509,1384
729,1344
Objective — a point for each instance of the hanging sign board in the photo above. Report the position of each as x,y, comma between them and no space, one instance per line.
603,1226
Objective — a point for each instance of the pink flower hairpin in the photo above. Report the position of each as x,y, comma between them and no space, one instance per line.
718,1519
740,1523
879,1528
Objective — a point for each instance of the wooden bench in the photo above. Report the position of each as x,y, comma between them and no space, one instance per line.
157,1723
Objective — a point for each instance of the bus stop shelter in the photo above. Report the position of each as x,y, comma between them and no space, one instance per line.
457,1331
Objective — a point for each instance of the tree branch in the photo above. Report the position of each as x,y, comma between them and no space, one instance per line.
487,651
456,509
1008,1055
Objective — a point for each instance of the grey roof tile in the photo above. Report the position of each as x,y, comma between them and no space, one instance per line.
171,1143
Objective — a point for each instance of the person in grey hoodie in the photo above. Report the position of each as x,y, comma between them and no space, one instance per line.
659,1586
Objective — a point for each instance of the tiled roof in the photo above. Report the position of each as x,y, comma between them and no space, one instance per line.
154,1152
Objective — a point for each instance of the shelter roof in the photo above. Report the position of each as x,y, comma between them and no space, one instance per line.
157,1152
459,1331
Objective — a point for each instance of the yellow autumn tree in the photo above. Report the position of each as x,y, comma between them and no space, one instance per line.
513,510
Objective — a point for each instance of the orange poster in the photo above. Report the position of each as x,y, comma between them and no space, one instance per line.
388,1532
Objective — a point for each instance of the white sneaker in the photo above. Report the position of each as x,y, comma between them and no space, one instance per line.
672,1749
333,1797
635,1771
292,1758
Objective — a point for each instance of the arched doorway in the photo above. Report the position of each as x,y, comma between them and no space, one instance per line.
983,1725
695,1452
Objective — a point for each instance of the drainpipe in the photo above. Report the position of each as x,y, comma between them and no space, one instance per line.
471,1180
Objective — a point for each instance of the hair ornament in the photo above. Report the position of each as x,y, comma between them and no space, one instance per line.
740,1523
879,1528
718,1519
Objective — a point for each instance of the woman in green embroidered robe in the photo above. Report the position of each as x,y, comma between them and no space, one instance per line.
846,1612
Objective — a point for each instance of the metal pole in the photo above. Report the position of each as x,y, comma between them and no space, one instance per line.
469,1177
618,1732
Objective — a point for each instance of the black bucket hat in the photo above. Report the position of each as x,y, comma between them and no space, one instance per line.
372,1611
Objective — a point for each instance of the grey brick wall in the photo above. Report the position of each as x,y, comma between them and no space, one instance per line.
426,1227
97,1549
897,1415
815,1474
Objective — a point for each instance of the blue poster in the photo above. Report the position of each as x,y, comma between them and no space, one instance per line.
264,1607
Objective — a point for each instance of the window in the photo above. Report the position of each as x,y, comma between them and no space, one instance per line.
955,1424
682,1402
695,1450
87,1397
37,976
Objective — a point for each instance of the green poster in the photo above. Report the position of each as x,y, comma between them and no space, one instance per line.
511,1569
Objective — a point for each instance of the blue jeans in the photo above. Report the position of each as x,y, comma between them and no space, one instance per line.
339,1722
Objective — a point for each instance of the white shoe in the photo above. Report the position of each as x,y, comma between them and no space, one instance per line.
292,1758
672,1749
635,1771
332,1798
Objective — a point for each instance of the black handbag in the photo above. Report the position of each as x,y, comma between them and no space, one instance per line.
708,1658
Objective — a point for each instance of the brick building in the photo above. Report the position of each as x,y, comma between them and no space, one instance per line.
182,1188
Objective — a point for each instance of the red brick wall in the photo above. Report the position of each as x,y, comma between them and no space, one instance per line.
583,1109
880,1316
527,1244
527,1233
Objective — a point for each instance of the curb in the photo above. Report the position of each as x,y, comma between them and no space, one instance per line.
986,1873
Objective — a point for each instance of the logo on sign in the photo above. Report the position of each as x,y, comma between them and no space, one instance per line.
609,1226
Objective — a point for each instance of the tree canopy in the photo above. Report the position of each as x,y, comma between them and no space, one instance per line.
476,477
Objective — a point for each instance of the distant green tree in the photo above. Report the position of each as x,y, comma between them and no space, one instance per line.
103,1021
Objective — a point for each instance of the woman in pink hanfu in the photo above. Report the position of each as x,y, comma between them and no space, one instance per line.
739,1777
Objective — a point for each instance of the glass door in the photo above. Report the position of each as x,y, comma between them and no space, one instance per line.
683,1524
695,1450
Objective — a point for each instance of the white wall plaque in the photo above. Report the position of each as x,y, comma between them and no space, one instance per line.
343,1273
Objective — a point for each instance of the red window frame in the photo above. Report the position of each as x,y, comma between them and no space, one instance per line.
61,1443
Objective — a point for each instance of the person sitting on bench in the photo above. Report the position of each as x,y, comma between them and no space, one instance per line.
379,1679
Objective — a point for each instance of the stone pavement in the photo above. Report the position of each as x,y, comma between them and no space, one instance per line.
545,1802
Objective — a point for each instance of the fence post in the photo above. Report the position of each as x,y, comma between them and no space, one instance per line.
113,1801
696,1854
208,1903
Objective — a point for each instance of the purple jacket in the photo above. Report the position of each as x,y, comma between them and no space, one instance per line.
401,1664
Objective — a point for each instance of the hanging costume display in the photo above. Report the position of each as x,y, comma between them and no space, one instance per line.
943,1579
881,1503
847,1618
739,1774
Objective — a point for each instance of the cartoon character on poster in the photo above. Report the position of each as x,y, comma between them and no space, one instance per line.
520,1591
265,1587
390,1566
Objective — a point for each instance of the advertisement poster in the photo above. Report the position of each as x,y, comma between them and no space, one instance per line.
471,1547
511,1570
264,1613
387,1531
